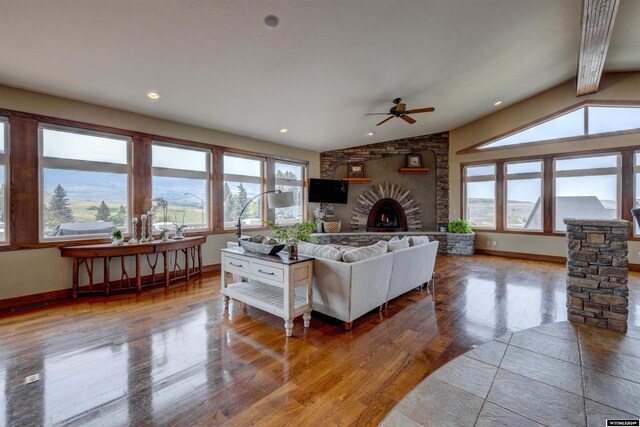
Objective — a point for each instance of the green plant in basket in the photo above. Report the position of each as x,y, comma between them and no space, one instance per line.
116,234
460,226
296,232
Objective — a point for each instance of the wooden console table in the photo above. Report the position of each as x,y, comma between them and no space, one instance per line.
271,285
84,255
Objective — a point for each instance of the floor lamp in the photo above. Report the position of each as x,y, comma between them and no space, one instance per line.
275,199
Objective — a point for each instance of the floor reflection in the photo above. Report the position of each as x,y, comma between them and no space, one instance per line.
180,358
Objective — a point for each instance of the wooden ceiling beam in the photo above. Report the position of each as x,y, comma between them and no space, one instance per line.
598,17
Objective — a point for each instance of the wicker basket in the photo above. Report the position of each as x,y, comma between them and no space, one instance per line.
332,226
261,248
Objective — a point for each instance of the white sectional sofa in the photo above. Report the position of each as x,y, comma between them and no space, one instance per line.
412,267
348,290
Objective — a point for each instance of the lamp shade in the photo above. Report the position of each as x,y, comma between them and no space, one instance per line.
280,200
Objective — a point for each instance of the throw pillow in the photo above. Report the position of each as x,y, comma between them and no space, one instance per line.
319,251
418,240
395,244
355,255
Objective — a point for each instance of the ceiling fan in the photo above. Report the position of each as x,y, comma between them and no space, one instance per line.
399,110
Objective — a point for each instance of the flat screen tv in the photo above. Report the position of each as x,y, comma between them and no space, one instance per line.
328,191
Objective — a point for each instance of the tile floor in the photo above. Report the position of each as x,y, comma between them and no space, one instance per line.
555,374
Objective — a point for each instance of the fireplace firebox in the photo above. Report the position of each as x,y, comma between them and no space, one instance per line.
387,215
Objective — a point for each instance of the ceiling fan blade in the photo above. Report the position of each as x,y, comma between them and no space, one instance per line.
400,108
407,119
376,114
385,120
420,110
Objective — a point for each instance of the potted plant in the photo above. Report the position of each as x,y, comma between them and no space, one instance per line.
460,226
293,234
116,237
463,242
164,234
179,227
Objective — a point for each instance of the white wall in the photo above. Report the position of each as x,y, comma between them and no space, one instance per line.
618,86
27,272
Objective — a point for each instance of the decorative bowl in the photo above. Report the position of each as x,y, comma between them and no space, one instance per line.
332,226
261,248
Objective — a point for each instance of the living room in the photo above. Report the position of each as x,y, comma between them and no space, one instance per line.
457,179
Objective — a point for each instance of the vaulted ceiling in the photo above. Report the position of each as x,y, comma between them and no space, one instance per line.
328,63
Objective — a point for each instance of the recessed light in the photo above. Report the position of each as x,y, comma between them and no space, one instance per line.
497,103
271,21
283,130
370,134
153,95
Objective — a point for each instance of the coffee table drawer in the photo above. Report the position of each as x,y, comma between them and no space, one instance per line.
237,264
266,271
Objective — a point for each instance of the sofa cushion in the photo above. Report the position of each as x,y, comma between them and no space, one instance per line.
418,240
396,243
319,251
359,254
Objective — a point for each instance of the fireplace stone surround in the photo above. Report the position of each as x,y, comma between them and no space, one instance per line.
382,162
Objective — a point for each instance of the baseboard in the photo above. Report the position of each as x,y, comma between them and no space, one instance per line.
64,294
537,257
522,255
28,300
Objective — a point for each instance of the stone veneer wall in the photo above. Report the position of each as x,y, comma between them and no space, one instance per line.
450,243
438,143
597,271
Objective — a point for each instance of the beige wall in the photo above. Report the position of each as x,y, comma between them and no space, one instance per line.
618,86
42,270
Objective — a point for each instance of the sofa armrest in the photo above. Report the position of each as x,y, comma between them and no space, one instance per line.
370,284
332,288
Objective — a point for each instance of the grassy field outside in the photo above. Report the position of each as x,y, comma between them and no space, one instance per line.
86,211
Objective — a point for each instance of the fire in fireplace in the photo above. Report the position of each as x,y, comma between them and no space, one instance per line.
387,215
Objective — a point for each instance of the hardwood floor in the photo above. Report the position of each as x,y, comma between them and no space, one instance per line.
177,357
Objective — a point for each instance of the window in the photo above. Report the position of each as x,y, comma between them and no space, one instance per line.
84,182
480,196
243,181
290,177
4,179
565,126
589,120
586,187
180,186
612,119
523,196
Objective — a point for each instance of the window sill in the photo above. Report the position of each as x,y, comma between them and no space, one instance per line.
61,244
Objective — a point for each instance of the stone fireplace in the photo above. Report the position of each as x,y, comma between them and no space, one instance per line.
387,215
386,208
383,161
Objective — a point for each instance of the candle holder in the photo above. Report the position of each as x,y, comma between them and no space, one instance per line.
134,230
150,219
143,229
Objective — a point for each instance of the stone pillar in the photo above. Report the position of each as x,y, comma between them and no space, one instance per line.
597,271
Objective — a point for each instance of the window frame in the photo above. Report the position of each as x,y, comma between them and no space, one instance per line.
526,175
24,177
617,171
5,160
481,178
249,179
297,183
188,174
81,166
481,147
625,186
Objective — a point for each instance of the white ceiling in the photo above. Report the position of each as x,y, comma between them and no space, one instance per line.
328,63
